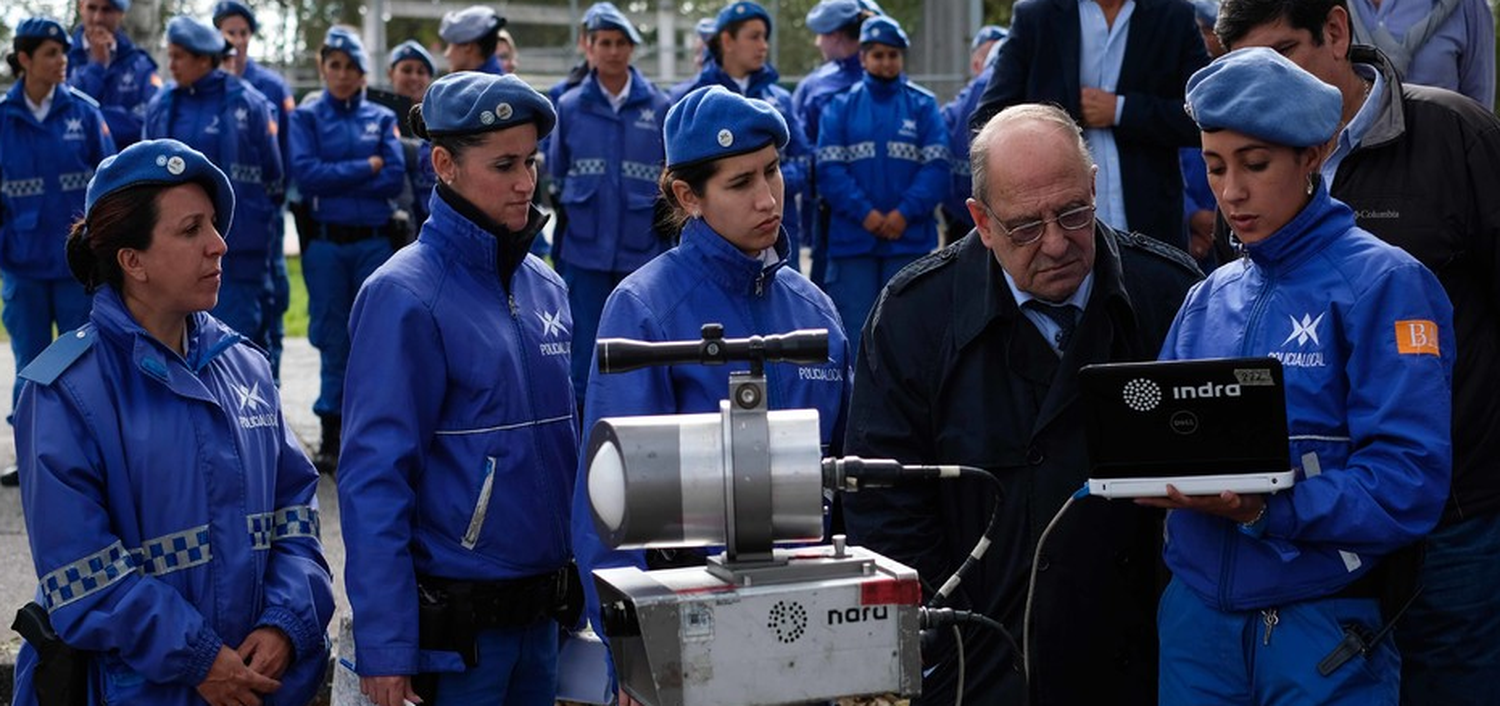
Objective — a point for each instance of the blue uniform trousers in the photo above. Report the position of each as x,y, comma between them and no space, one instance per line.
854,283
1211,657
1450,638
587,290
517,667
242,306
333,273
278,300
32,307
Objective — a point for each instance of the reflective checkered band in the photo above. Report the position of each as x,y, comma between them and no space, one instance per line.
295,521
833,153
961,168
863,150
586,167
804,160
903,150
174,552
75,181
640,170
18,188
933,153
247,173
86,576
259,525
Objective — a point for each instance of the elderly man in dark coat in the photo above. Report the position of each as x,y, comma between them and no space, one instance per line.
971,357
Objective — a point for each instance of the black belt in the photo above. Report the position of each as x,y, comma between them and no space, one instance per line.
512,603
343,235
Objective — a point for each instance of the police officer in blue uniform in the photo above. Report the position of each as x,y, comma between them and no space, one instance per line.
238,24
348,162
51,137
732,267
105,64
739,47
461,442
883,148
410,70
172,515
956,114
1268,589
233,125
471,35
836,24
607,152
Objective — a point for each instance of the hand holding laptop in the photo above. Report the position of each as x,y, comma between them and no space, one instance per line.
1234,506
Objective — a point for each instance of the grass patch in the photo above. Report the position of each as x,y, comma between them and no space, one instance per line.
296,315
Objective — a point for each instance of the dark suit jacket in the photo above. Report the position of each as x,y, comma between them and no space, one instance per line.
977,385
1038,63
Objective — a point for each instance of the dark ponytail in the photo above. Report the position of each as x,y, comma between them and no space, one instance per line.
418,124
23,45
121,219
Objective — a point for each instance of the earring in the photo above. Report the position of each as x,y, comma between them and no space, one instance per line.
1312,182
695,213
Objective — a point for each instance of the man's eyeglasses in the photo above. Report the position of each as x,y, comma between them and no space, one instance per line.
1028,233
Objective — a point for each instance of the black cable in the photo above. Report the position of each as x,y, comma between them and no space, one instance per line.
985,540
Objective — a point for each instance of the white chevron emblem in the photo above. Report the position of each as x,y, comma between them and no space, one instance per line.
1305,329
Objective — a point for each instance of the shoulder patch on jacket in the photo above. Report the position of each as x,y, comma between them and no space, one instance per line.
60,356
80,95
1137,241
928,264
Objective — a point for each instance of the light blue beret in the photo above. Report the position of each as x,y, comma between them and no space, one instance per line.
1260,93
470,24
410,49
344,40
467,102
883,30
713,122
166,163
225,8
1207,11
607,16
121,5
46,28
595,9
705,28
988,33
829,16
196,36
740,11
872,6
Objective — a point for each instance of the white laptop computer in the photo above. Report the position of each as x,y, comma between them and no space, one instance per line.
1203,426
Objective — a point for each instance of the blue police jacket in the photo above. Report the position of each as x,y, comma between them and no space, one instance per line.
956,115
819,87
460,435
491,66
796,157
45,168
705,279
883,145
609,164
332,143
233,125
1365,335
180,511
123,88
274,88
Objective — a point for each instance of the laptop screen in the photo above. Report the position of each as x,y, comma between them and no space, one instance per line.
1185,418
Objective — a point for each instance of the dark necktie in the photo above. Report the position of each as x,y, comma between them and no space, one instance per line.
1064,315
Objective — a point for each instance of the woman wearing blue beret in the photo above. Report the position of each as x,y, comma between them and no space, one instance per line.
235,126
461,437
348,162
471,36
51,137
883,153
1286,598
172,515
723,182
738,61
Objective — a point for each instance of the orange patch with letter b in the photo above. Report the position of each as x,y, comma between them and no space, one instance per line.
1417,337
